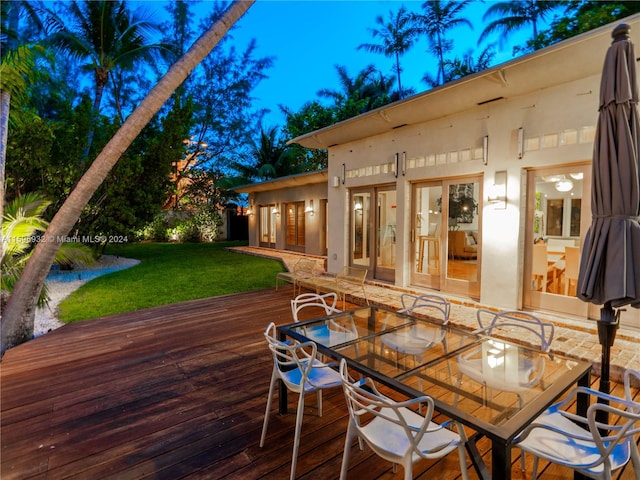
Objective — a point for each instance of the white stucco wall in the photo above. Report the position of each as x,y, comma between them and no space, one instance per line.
314,224
558,125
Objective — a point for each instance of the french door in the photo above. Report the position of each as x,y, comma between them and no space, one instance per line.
268,216
373,231
445,235
558,217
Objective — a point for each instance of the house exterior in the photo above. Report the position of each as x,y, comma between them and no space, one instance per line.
479,188
289,213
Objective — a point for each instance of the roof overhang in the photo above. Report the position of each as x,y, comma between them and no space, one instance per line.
320,176
576,58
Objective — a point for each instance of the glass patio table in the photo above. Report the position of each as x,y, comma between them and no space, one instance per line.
490,385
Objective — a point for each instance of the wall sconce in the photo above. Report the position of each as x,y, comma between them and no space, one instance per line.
275,210
498,194
250,210
485,149
520,142
309,208
344,172
404,162
395,165
335,181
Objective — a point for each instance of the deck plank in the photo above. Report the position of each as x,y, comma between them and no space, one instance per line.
176,391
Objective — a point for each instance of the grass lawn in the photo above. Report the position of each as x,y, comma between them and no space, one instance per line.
168,273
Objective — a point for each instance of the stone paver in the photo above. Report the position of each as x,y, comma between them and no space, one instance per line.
571,340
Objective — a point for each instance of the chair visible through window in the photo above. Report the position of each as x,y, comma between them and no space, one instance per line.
393,430
295,364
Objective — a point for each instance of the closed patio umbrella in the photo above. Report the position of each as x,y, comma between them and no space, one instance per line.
610,265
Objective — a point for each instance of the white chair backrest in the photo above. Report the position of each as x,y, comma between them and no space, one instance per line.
314,304
365,403
288,356
631,380
608,435
433,306
505,324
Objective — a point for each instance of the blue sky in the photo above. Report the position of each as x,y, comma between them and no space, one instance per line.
309,37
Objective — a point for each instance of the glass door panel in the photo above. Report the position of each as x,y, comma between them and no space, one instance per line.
268,215
386,208
427,230
360,228
557,221
463,235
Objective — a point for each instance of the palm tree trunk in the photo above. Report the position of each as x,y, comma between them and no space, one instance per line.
400,94
17,319
5,103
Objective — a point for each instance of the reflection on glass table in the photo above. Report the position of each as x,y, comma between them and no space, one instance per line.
499,365
499,418
415,339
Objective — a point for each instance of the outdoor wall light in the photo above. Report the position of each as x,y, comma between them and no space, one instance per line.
309,208
250,210
275,211
520,142
335,181
395,165
485,149
498,192
344,172
404,163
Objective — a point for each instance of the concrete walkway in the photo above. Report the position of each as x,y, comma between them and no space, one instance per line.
572,338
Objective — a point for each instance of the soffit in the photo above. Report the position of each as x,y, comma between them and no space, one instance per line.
285,182
567,61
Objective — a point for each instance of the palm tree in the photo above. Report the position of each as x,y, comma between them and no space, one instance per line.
22,225
268,154
17,70
397,36
108,37
18,316
514,15
461,67
438,18
368,90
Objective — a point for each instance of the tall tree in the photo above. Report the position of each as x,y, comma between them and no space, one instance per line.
105,35
17,69
461,67
369,89
17,319
436,20
515,15
396,37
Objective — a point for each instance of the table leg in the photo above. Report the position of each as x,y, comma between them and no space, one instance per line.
582,404
500,460
476,458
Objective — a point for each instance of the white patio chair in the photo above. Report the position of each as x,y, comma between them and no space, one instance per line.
512,326
394,431
490,365
295,364
418,338
331,332
585,444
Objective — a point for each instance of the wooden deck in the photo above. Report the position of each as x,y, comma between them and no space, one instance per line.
175,392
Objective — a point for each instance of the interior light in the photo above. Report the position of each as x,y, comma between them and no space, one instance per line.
565,185
309,208
577,175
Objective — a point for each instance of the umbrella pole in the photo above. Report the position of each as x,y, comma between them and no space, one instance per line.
607,327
